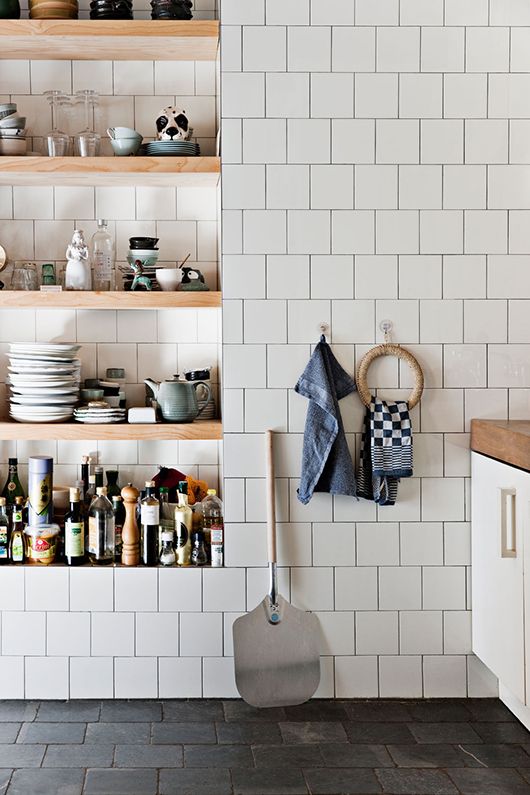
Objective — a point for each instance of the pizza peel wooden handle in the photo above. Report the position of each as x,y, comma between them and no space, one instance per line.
271,502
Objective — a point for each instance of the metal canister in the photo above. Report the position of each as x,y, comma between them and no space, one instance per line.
40,489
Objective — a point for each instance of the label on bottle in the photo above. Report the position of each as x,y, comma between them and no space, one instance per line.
17,516
74,539
102,265
150,514
17,548
3,543
118,541
181,532
216,533
40,494
42,548
217,554
11,486
93,536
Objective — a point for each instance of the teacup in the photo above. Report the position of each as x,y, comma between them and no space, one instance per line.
116,133
125,146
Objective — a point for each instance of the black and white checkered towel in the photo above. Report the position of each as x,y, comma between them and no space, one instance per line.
386,451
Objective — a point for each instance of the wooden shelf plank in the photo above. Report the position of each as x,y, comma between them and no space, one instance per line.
180,171
198,430
20,299
91,39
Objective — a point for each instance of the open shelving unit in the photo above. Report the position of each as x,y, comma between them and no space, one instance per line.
21,299
161,40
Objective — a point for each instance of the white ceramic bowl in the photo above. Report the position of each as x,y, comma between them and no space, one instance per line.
14,120
168,278
144,252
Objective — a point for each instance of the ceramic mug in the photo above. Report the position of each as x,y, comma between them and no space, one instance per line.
122,147
115,133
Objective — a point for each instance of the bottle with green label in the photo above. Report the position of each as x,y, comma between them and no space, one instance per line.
74,531
17,551
4,532
13,487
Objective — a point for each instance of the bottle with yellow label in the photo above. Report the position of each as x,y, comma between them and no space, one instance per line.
17,550
183,526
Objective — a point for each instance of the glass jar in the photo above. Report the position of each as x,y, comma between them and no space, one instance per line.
24,276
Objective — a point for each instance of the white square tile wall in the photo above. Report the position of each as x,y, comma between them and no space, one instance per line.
389,150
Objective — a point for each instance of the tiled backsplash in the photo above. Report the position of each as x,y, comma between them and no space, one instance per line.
375,166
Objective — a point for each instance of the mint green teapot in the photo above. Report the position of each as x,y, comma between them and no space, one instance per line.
178,399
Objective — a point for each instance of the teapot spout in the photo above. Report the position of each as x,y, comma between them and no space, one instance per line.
154,386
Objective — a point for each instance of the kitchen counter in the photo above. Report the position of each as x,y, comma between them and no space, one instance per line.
504,440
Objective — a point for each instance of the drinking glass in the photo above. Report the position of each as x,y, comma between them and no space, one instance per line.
57,142
24,276
87,141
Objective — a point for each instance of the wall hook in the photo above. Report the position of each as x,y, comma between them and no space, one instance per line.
386,327
324,328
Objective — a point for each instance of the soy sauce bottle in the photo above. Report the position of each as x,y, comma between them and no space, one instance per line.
74,531
17,549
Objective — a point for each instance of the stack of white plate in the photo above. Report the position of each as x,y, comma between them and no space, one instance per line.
99,415
44,380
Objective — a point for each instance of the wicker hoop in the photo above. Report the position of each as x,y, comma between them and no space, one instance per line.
389,349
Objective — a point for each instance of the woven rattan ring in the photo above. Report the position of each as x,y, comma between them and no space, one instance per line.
389,349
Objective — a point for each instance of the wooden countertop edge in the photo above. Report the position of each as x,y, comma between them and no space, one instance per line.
504,440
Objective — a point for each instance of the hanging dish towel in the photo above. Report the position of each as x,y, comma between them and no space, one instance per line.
386,450
327,465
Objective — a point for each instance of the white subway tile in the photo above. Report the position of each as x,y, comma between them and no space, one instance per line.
352,231
243,95
457,460
258,585
457,632
46,678
376,96
46,589
422,544
287,277
376,187
397,232
376,277
428,455
51,239
385,12
356,677
67,634
331,95
246,545
420,96
265,408
442,411
421,12
48,74
264,49
136,589
400,677
464,366
265,321
178,588
508,277
15,77
420,187
518,321
398,49
12,677
334,544
91,589
244,366
442,49
32,203
288,187
488,50
486,141
223,589
353,48
466,12
296,13
353,321
287,96
481,682
376,633
420,632
420,276
519,231
309,49
486,232
336,12
485,321
332,187
135,677
444,588
219,678
508,96
23,633
12,588
404,315
445,677
464,277
201,634
377,544
301,137
312,588
441,232
356,588
331,277
252,13
243,187
353,140
443,499
442,141
179,677
464,187
91,677
486,404
264,232
157,634
337,633
399,588
112,634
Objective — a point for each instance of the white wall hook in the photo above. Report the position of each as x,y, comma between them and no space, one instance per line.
386,327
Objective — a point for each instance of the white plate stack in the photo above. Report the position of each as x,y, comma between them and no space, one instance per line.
44,381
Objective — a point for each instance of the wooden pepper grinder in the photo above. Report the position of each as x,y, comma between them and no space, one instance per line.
130,555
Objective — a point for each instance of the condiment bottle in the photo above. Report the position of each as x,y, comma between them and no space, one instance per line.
85,472
183,525
112,483
17,550
101,530
74,531
90,493
198,552
130,555
213,525
103,256
150,520
119,519
13,487
167,553
40,490
4,532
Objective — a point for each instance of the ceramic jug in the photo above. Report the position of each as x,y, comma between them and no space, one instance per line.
178,399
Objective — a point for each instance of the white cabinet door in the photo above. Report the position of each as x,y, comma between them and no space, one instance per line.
498,506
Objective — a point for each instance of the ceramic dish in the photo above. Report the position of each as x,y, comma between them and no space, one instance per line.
42,402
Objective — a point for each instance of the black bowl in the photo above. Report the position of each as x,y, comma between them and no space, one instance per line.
143,242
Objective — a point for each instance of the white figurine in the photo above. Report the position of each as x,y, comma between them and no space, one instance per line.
77,274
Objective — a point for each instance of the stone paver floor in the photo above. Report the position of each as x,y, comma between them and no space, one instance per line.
207,747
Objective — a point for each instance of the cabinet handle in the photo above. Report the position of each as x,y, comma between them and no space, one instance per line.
508,525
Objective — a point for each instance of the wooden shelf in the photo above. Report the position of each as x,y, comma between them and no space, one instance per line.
21,299
179,171
103,39
71,431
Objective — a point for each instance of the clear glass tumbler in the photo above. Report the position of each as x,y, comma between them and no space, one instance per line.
57,141
87,141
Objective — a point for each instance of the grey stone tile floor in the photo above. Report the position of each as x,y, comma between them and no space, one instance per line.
207,747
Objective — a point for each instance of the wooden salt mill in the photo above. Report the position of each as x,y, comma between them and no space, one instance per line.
130,555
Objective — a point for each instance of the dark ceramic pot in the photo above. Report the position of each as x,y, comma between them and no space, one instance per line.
9,9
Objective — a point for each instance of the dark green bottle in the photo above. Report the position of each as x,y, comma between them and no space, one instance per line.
113,489
13,487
